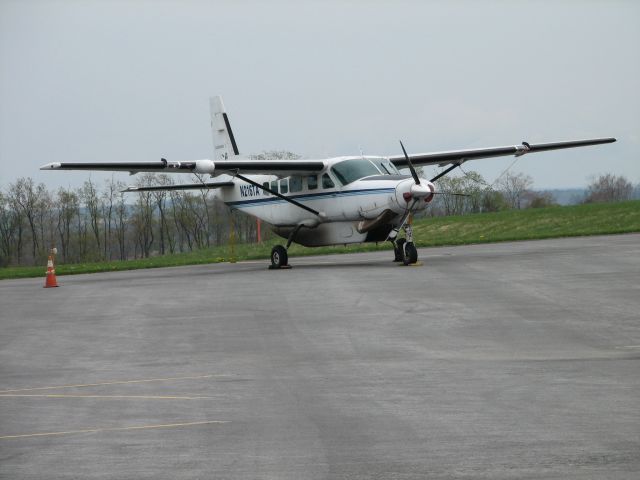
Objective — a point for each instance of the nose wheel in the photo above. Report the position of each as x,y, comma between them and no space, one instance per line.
404,249
410,254
398,250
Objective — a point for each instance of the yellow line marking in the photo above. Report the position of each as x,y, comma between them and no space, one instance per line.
121,382
145,397
115,429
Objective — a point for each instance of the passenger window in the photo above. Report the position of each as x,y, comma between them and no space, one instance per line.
265,185
326,181
312,182
284,185
295,184
274,186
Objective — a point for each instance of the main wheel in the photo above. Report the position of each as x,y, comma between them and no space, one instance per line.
279,256
398,250
410,254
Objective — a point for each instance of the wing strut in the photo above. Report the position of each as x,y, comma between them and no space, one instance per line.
290,200
442,174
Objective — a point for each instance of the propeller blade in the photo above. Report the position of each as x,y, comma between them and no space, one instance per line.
414,174
452,194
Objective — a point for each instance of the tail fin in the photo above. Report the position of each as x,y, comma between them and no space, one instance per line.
224,144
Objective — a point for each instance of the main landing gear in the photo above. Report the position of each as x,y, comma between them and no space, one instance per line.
404,249
279,255
279,258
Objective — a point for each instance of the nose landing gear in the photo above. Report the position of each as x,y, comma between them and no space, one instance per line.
404,249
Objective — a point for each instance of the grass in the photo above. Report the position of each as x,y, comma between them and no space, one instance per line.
551,222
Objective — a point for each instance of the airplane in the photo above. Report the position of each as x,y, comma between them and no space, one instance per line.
333,201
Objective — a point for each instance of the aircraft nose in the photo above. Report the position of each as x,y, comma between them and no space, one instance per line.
408,191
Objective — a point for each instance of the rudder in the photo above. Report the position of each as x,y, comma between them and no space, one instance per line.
224,143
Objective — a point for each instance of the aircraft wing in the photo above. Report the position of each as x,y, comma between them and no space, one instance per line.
458,157
181,186
281,168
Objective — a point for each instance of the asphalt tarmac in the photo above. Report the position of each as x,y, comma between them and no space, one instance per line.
511,360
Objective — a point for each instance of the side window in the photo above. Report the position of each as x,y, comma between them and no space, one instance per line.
284,185
265,185
274,185
295,184
326,181
312,182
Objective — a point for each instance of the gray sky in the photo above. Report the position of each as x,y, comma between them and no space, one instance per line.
130,81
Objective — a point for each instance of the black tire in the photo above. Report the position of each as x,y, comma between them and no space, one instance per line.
398,250
279,256
410,254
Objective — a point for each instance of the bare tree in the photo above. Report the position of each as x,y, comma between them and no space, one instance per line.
26,198
143,217
514,186
121,224
10,232
204,216
107,206
91,201
67,206
609,188
160,198
275,155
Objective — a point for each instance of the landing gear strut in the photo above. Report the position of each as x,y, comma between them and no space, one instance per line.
279,255
398,249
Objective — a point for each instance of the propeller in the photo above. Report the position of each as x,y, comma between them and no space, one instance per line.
416,179
414,174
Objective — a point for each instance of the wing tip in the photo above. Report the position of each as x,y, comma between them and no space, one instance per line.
51,166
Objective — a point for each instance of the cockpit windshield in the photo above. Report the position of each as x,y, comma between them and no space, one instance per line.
349,171
385,166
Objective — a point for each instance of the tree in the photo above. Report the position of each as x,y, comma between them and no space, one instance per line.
28,199
143,216
67,206
494,201
121,224
609,188
160,197
91,201
540,200
107,205
275,155
10,231
514,187
472,185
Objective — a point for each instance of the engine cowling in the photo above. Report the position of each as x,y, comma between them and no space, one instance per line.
407,191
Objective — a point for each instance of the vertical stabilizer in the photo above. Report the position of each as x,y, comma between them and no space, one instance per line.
224,144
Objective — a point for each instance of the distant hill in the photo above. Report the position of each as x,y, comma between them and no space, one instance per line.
574,196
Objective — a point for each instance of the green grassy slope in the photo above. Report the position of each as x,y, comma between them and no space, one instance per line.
570,221
593,219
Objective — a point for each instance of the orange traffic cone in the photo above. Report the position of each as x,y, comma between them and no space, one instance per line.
51,274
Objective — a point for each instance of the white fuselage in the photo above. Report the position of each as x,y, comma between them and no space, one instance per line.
344,203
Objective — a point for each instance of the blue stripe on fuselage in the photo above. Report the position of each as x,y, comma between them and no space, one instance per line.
313,196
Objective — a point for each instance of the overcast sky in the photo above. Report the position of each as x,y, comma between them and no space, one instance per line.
130,81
